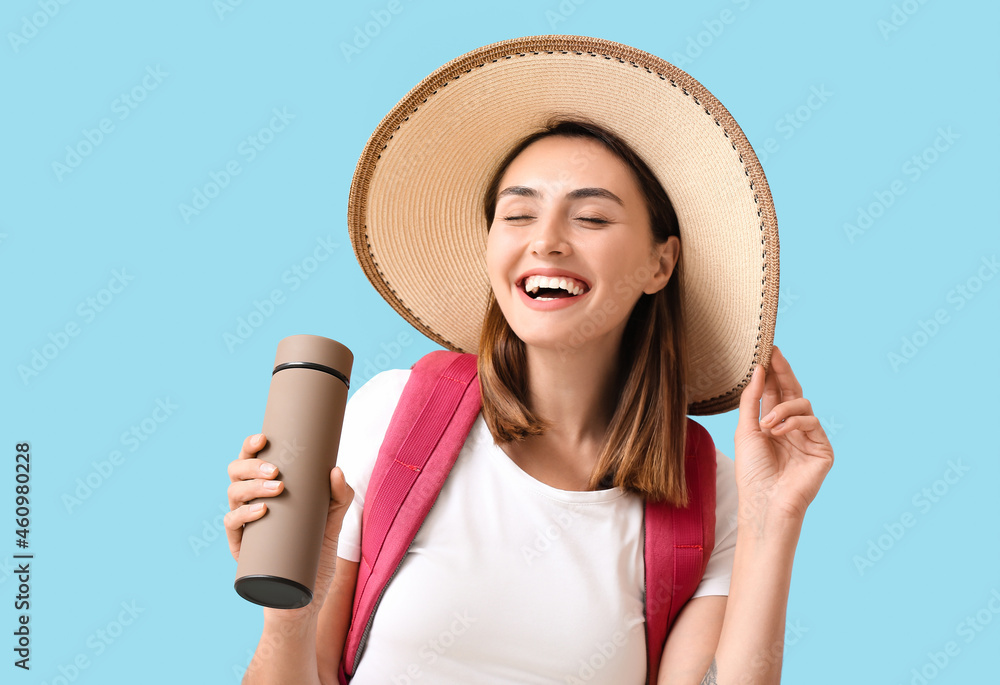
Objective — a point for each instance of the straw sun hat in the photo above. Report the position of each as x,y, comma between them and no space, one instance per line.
416,215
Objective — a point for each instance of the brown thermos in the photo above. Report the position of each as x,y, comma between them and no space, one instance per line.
279,555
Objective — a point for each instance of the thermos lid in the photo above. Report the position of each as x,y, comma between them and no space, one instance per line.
273,591
317,352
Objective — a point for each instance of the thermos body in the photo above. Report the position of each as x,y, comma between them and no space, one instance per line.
279,554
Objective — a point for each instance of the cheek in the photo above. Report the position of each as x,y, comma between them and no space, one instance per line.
628,276
494,261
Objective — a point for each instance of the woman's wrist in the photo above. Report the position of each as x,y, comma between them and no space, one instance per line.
291,621
759,517
286,651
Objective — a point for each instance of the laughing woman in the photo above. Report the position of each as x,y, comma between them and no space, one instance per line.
587,229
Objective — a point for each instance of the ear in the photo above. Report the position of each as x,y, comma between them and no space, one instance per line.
665,255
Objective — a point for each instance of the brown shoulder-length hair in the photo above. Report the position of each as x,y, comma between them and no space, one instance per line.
643,451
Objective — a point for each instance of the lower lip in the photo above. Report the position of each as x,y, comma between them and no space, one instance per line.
548,305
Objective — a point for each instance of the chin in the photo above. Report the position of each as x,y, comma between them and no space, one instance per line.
550,341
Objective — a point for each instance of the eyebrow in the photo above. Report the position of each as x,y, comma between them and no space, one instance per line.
525,191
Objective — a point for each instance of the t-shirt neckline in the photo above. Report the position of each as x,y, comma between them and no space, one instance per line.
523,478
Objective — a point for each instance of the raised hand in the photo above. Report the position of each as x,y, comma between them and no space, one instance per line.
782,453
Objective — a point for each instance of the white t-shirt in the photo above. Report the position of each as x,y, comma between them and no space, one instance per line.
510,580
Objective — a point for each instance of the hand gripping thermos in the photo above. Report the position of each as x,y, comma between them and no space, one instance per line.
279,554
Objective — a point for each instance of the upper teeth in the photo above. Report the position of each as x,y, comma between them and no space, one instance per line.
533,283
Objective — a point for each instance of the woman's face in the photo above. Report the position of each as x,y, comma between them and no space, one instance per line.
569,209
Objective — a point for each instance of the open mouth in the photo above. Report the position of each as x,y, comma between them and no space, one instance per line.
543,288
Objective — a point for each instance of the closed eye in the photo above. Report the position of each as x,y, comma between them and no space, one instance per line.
582,218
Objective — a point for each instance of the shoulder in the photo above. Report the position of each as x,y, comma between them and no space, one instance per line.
698,436
377,391
367,416
725,467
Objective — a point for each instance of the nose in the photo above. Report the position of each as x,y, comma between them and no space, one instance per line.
549,235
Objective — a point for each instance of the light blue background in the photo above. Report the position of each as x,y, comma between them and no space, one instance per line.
845,304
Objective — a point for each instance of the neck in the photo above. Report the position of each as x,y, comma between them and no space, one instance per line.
574,391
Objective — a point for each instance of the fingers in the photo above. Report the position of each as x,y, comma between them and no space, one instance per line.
251,478
342,494
785,410
802,423
243,491
750,402
807,425
772,392
234,522
252,445
244,469
782,370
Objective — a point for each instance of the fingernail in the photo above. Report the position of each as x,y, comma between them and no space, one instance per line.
769,418
272,484
258,438
268,469
256,507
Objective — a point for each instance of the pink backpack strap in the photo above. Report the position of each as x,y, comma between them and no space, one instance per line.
678,543
435,413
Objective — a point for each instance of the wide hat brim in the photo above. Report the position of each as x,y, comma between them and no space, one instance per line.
416,216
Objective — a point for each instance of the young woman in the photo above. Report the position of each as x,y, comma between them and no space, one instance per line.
583,370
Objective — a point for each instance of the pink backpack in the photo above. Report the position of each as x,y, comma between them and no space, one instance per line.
439,404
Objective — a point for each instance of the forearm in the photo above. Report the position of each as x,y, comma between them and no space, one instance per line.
751,644
286,653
